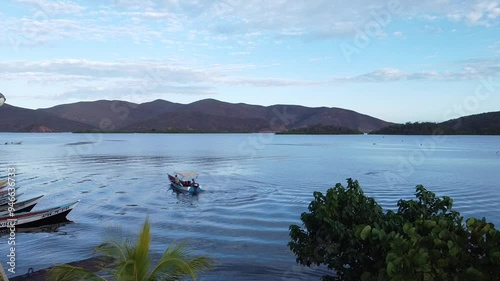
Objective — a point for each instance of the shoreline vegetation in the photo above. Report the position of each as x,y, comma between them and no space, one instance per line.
428,128
314,130
321,130
480,124
422,239
161,132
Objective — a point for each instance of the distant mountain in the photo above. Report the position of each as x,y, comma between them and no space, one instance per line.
16,119
209,116
479,124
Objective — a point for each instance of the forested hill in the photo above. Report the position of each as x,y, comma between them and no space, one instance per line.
479,124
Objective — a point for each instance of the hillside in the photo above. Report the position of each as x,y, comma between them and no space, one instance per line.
16,119
103,113
209,116
479,124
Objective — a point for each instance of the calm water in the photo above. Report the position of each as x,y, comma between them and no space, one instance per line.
257,185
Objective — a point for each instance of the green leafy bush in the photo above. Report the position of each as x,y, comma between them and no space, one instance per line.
424,240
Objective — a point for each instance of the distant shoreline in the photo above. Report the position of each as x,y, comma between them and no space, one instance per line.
235,133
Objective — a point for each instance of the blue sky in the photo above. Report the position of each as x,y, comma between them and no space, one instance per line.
397,60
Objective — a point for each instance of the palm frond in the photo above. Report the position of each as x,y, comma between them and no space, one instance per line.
126,271
132,262
196,265
137,263
141,251
66,272
113,249
176,264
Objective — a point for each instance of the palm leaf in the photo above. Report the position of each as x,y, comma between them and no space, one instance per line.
66,272
196,266
112,249
132,262
141,252
136,263
176,264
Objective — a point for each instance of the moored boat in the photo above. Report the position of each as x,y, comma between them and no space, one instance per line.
7,199
19,207
178,184
31,219
6,192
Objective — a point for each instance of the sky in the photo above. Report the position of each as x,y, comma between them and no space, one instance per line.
398,60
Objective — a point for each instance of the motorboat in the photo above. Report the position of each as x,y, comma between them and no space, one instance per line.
178,184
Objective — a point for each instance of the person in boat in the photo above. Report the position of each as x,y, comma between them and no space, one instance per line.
195,185
176,179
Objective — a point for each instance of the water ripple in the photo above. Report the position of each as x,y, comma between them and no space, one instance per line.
243,217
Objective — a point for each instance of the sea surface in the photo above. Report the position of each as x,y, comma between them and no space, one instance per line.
256,185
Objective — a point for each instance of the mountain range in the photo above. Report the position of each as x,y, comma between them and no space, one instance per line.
207,115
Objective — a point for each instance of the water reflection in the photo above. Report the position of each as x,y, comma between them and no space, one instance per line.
48,228
242,218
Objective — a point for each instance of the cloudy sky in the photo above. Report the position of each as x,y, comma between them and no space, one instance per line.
399,60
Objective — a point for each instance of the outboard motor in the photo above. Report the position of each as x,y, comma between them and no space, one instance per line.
194,188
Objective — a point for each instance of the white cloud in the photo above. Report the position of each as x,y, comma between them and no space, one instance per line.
46,8
465,70
432,29
483,12
87,79
325,58
429,17
239,53
398,34
479,12
31,32
495,47
223,20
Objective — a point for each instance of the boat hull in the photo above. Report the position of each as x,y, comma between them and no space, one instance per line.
184,189
6,200
38,218
59,218
178,187
20,207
